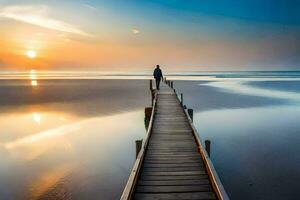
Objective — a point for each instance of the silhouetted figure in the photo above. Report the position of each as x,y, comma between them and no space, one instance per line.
158,76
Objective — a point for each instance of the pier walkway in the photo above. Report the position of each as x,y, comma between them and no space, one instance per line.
172,163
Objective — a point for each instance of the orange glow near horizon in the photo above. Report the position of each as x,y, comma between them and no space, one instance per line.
54,37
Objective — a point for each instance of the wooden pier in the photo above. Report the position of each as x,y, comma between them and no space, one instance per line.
172,164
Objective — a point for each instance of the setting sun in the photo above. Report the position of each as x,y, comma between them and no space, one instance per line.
31,54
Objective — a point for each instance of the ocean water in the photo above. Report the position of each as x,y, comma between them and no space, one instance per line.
72,136
69,139
255,132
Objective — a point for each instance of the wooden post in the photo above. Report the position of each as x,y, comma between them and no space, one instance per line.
148,112
138,146
172,84
151,88
207,147
191,113
181,99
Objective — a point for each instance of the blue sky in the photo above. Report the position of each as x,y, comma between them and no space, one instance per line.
136,34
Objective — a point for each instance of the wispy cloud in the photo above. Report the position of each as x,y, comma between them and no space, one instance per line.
38,15
89,6
135,31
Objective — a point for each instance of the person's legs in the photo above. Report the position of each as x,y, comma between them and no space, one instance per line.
157,81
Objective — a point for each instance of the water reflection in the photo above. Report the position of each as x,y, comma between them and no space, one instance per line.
34,83
85,98
241,87
33,78
50,182
254,129
69,139
95,148
36,118
254,148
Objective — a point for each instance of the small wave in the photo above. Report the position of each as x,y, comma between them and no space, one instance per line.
241,88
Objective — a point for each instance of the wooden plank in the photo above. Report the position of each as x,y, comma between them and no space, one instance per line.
182,173
170,165
173,149
157,149
173,154
173,196
172,157
177,188
165,178
175,182
172,169
173,161
173,143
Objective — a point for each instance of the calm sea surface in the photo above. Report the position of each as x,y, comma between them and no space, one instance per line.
75,138
69,139
254,128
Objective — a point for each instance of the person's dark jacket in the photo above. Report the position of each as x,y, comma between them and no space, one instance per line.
157,73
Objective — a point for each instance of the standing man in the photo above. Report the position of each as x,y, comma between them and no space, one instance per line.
158,76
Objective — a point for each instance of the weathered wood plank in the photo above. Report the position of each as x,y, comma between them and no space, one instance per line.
164,178
172,156
172,165
173,161
175,182
177,188
173,196
172,169
182,173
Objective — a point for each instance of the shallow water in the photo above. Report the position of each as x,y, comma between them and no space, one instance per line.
70,139
74,139
254,129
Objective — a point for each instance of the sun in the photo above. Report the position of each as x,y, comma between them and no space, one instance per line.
31,54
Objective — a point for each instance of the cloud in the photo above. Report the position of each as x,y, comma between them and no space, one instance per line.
37,15
135,31
89,6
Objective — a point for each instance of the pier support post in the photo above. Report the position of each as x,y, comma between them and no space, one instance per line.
172,84
152,96
151,90
138,146
181,99
207,147
148,113
191,113
151,87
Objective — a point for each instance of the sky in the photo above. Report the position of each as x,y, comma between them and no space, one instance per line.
135,35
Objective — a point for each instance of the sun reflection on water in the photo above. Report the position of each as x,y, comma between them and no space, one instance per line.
33,78
36,118
34,83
